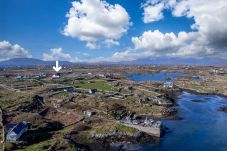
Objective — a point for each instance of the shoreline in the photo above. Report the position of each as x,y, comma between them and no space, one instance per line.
202,93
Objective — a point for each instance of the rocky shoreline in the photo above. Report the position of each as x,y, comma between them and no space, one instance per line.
115,134
223,109
202,93
120,141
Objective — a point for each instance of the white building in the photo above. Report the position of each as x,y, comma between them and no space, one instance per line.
15,133
92,91
89,113
168,84
55,76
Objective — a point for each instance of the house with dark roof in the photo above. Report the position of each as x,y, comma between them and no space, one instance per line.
15,132
92,91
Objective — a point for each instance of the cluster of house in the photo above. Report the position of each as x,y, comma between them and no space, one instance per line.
22,77
15,131
219,71
140,121
40,75
102,75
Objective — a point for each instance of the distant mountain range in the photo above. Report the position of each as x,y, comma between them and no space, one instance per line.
29,62
161,61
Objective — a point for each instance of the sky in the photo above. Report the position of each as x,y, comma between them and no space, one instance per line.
113,30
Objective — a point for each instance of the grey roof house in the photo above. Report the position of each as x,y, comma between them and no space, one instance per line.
15,133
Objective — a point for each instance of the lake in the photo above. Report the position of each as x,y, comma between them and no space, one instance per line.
159,76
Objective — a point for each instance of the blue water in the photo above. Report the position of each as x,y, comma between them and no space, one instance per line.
203,127
159,76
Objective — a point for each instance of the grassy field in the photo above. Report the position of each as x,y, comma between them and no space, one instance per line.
114,126
9,99
2,79
37,147
100,85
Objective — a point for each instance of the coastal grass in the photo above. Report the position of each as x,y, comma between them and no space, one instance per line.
114,127
150,110
126,129
96,84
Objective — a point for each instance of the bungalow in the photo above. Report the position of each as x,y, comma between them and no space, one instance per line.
92,91
15,133
55,76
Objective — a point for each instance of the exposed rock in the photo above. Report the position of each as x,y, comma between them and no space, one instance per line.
223,109
199,100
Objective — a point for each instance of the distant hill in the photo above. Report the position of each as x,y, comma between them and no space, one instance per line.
160,61
29,62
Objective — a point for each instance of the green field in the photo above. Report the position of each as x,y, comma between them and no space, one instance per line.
9,99
114,126
100,85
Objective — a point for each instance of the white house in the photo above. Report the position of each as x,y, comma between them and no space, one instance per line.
91,91
55,76
15,133
89,113
168,84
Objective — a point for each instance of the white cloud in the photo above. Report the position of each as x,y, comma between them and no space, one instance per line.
92,45
153,9
58,54
153,13
96,20
210,19
111,42
8,51
169,44
209,38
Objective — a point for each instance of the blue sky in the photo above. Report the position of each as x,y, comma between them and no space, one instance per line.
38,26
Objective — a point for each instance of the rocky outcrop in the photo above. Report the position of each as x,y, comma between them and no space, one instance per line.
115,134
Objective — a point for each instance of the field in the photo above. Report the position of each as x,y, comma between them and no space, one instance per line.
114,126
10,99
97,84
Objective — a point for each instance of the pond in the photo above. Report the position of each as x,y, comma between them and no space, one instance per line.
158,76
